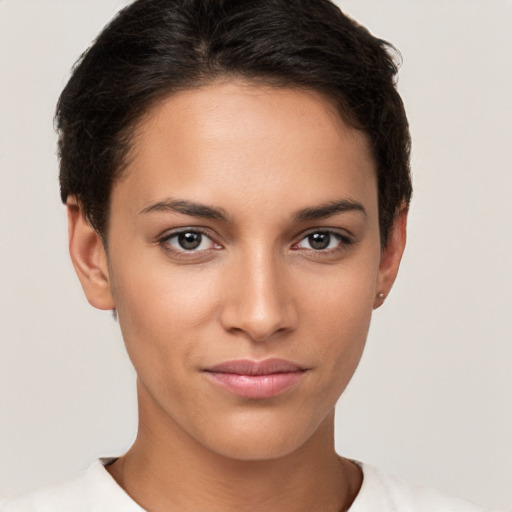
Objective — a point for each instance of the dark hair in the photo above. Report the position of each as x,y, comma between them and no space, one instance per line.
155,47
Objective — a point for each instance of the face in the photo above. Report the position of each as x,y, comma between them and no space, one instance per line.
244,262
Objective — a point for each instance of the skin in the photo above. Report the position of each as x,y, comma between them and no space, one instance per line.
266,159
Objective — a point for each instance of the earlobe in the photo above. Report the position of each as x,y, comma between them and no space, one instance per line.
89,258
390,258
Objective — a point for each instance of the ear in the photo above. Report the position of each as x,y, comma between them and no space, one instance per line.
89,258
391,256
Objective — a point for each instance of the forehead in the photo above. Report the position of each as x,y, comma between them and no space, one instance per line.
236,142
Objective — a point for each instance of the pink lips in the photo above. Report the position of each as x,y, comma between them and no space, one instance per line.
256,379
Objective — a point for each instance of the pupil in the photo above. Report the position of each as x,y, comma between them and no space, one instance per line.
319,240
189,240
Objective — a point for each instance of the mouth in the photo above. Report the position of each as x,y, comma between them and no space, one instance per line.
256,379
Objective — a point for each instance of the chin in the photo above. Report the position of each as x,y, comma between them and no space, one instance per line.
261,439
256,449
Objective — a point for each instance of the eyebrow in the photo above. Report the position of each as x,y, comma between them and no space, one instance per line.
328,209
186,208
207,212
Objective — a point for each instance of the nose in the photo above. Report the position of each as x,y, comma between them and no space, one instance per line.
258,302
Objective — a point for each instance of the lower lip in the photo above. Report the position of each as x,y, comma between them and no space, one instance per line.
256,386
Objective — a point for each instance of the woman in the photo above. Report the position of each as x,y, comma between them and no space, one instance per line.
236,176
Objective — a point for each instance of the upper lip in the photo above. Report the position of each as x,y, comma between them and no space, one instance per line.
249,367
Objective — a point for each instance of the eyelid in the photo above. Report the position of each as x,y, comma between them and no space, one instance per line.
345,239
333,231
168,235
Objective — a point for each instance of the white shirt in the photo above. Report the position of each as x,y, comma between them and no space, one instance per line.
94,490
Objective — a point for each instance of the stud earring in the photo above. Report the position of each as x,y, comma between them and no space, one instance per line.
380,295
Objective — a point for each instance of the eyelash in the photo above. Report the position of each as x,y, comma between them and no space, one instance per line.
183,253
343,242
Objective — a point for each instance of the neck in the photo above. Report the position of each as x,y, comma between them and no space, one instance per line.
168,470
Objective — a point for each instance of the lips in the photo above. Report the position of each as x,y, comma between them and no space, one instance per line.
256,379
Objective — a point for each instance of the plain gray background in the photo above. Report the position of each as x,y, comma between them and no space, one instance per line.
432,399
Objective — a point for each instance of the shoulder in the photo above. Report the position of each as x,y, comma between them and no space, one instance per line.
93,490
388,493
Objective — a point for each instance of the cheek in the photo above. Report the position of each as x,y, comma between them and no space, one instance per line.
337,314
340,297
162,310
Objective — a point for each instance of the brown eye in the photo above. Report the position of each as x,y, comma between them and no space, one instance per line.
319,240
189,241
324,241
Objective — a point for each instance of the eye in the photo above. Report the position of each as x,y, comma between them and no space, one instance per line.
323,241
189,241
